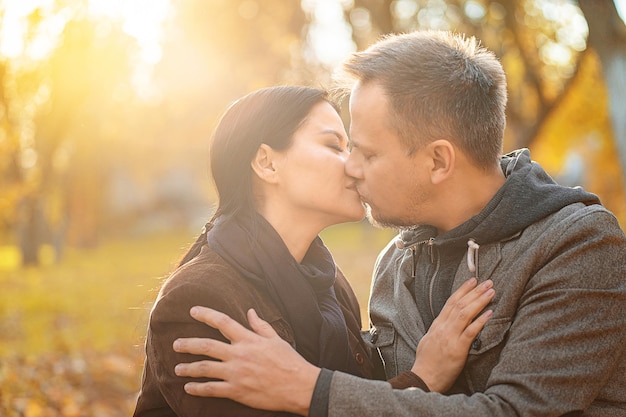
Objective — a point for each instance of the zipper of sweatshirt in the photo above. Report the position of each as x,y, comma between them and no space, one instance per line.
431,286
413,248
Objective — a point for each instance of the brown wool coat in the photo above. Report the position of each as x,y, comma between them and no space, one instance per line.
209,281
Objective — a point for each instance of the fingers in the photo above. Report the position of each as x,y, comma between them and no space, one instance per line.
231,330
472,304
202,369
208,389
471,332
465,304
261,327
468,300
205,347
464,289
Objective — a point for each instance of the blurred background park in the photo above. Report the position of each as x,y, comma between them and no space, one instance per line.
106,113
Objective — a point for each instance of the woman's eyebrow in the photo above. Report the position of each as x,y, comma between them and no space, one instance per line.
336,133
331,132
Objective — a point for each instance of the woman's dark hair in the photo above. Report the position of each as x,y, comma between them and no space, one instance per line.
268,116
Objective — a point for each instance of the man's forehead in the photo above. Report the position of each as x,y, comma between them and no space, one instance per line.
367,95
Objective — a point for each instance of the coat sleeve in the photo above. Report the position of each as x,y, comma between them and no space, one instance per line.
565,347
170,320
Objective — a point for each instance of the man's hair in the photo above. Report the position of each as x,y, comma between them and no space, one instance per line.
440,85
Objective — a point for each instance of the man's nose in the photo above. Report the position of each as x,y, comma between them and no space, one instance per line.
352,167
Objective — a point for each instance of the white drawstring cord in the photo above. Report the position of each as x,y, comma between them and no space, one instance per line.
472,265
472,256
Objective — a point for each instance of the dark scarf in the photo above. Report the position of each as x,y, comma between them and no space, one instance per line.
303,291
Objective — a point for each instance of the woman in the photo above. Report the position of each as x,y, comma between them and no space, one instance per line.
277,159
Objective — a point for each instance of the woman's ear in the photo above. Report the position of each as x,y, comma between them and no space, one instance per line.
263,163
443,155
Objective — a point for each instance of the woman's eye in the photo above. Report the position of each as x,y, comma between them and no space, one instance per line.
336,147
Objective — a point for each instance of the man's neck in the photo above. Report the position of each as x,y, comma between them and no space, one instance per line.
468,195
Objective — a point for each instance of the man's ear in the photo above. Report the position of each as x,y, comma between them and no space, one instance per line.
263,163
443,155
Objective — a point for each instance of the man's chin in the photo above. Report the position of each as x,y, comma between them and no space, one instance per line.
380,222
376,220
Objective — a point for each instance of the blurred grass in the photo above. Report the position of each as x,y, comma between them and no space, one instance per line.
355,247
71,334
94,298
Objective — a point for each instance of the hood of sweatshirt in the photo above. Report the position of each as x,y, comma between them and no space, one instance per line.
528,195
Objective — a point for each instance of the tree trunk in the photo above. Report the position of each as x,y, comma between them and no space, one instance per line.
607,36
30,230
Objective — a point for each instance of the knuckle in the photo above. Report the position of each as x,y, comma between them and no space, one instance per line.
460,306
204,366
221,320
205,345
239,356
463,314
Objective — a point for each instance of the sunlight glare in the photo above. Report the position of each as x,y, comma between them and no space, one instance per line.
143,20
620,5
13,24
330,35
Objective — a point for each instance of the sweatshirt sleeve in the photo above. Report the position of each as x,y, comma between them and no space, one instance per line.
319,401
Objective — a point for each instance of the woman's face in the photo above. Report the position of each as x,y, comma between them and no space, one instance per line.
312,171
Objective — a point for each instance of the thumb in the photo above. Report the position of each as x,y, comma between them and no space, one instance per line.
260,326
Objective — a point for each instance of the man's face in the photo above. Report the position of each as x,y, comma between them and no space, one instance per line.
394,185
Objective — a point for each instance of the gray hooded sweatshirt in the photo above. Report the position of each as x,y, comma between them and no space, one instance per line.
556,343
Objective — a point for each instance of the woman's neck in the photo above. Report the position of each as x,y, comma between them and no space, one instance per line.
297,233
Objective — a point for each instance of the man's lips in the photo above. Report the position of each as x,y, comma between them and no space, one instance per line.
353,186
360,195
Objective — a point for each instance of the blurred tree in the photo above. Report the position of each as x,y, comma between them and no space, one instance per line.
58,102
11,174
75,121
75,125
607,37
19,179
213,53
520,33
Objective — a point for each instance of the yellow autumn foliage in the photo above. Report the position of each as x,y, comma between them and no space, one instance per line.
577,140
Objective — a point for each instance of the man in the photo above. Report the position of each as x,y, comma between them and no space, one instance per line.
427,122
